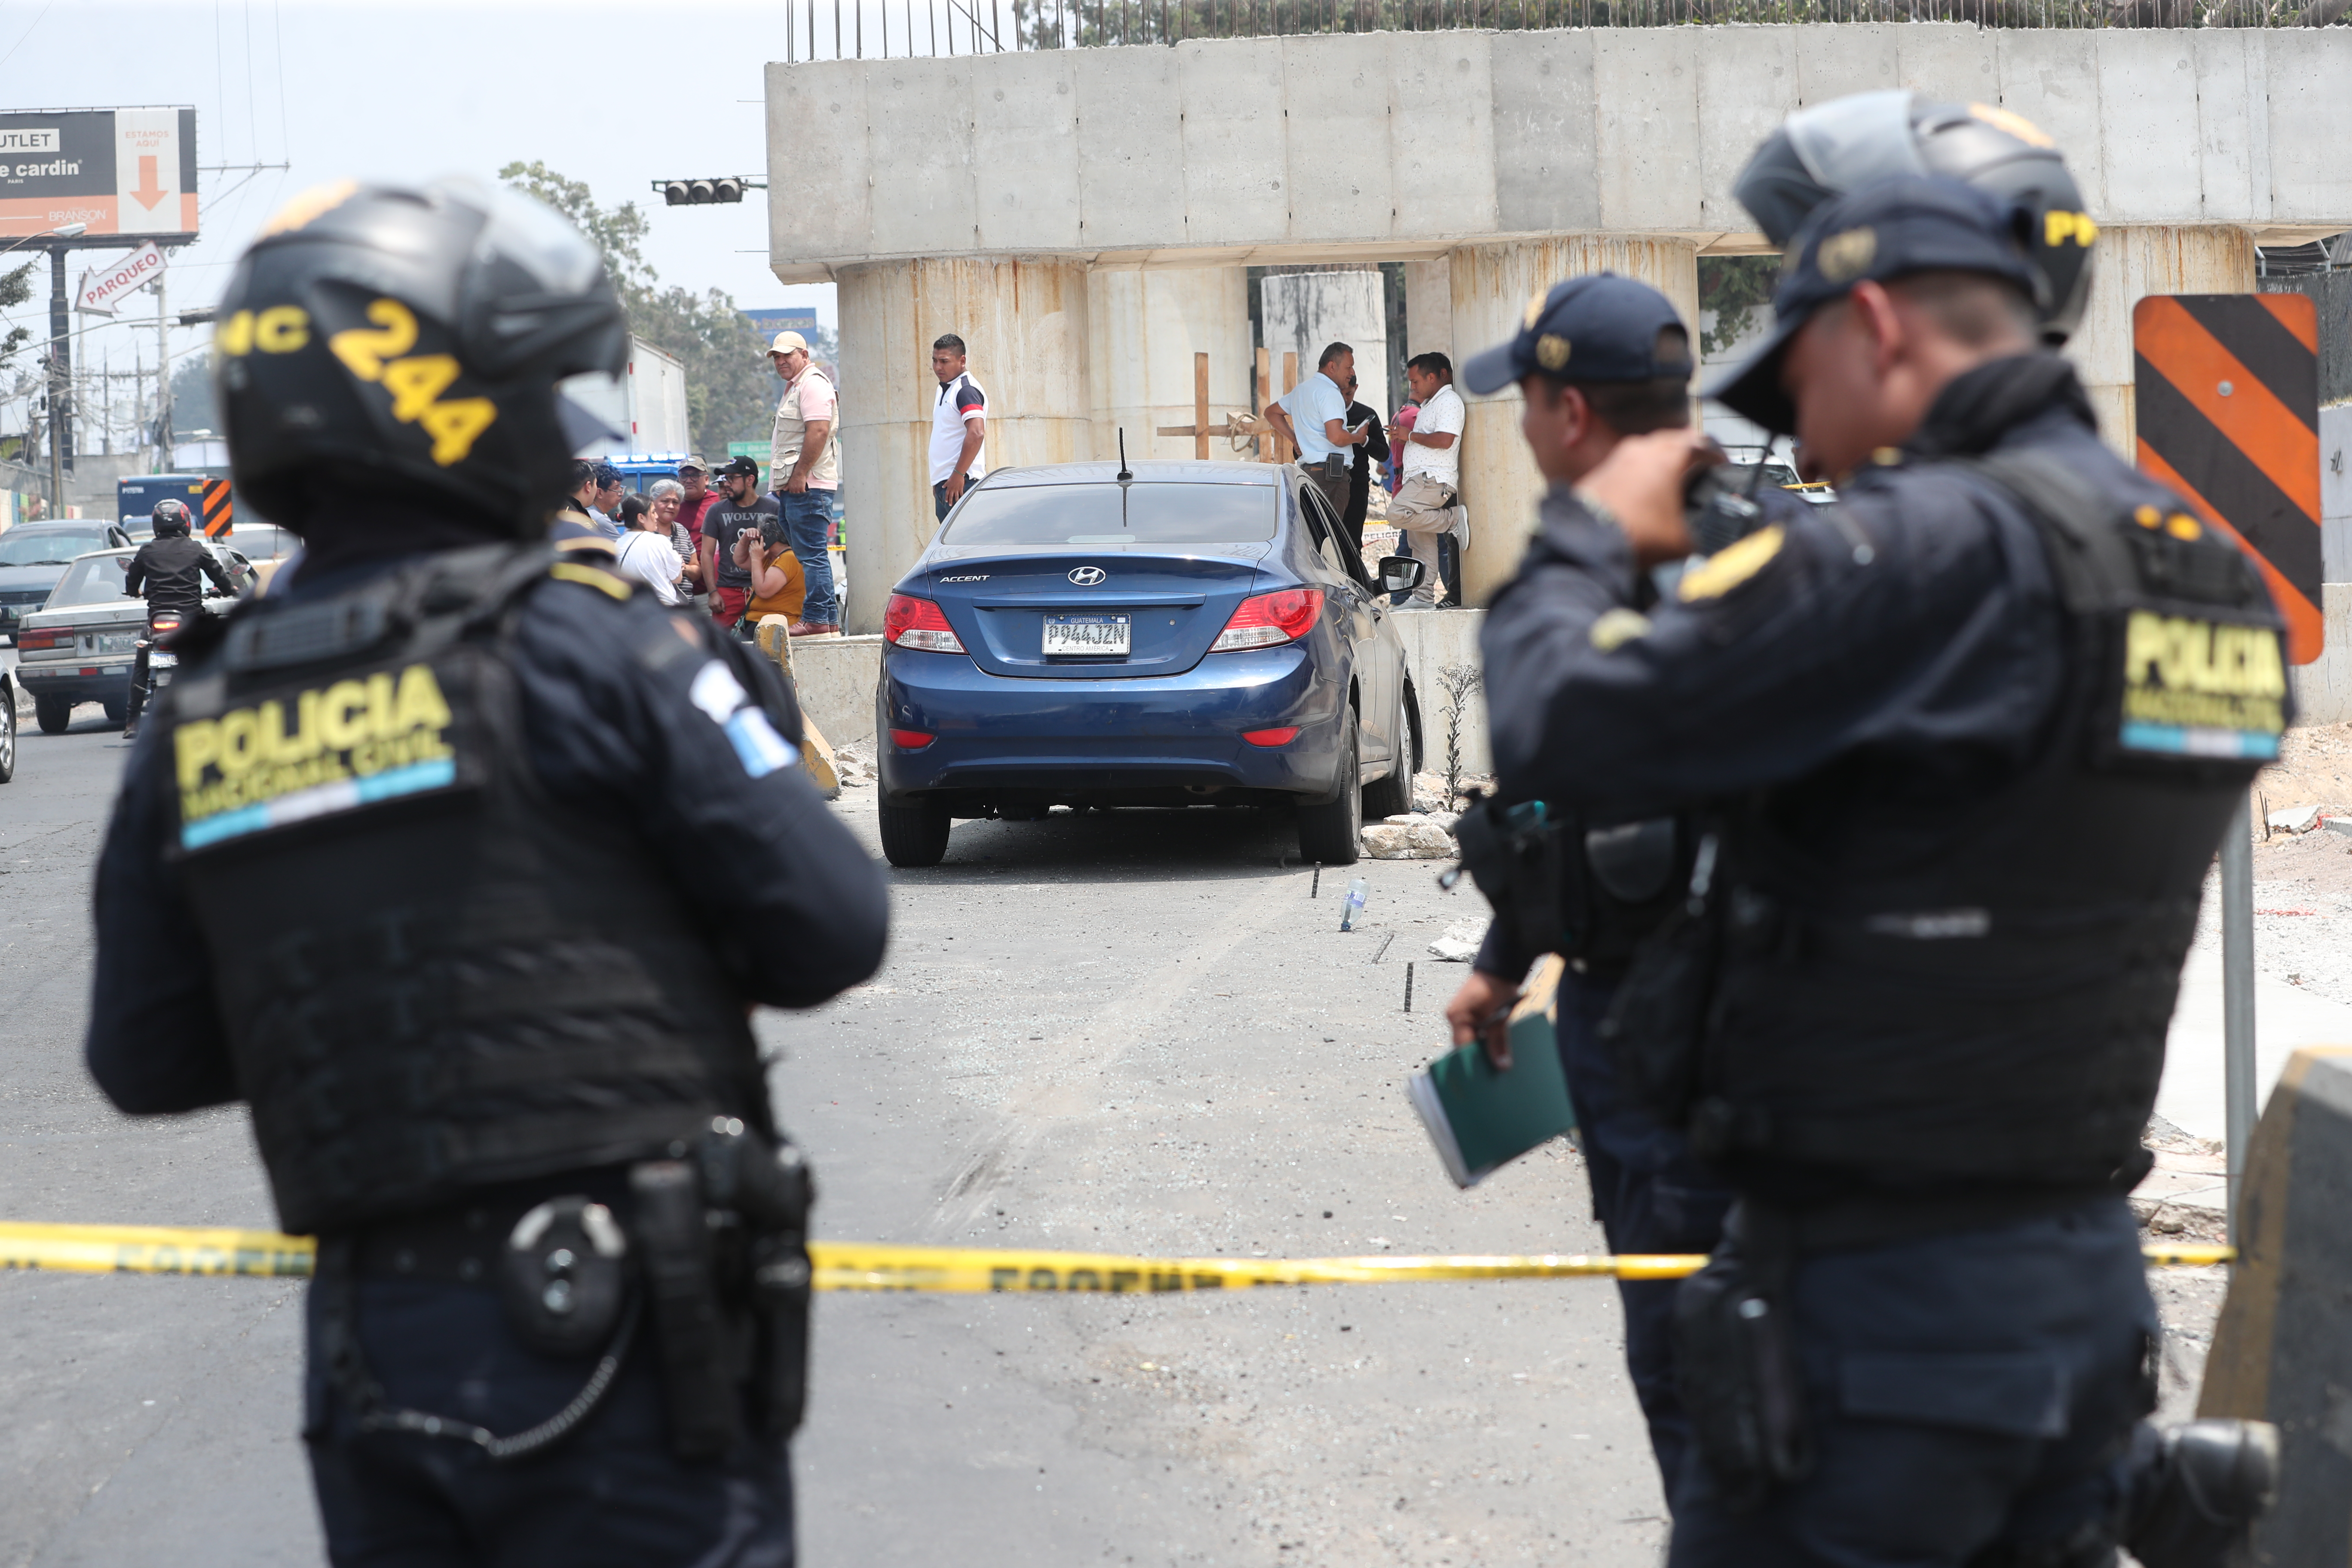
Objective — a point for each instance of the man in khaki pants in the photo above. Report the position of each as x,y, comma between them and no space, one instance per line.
1424,507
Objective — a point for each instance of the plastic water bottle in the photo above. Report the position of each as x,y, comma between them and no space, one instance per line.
1354,906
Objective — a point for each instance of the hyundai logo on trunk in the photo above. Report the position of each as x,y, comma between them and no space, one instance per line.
1088,576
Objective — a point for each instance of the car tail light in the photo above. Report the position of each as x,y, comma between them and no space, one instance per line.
911,739
1281,737
45,637
910,622
1263,620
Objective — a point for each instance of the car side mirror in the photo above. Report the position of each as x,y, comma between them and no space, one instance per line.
1401,573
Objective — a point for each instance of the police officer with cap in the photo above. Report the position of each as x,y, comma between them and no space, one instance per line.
426,805
1598,359
1960,791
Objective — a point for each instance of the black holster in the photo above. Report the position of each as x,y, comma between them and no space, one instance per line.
723,1239
1657,1025
1735,1362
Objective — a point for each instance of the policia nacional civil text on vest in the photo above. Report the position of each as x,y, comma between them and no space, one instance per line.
486,857
1959,750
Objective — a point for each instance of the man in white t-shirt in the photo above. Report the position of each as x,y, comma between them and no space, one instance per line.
958,426
1425,506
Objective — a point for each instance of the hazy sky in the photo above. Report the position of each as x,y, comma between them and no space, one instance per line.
614,95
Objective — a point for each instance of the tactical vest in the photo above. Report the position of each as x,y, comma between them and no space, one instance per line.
1994,1011
433,975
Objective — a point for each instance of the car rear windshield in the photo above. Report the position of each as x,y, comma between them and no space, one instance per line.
96,581
47,546
260,540
1114,514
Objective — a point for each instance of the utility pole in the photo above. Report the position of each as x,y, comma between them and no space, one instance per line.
60,367
162,376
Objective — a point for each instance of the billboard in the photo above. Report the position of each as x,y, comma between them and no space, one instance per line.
121,171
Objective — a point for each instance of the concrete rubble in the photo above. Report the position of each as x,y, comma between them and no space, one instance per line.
1413,837
2294,819
1460,943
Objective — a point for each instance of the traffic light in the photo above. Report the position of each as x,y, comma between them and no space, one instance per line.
702,193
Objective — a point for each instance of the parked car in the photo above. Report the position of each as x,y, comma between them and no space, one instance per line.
1193,634
33,555
7,725
78,646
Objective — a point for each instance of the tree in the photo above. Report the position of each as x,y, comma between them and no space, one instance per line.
730,391
1732,287
15,288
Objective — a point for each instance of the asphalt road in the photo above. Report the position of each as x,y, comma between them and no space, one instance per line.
1134,1031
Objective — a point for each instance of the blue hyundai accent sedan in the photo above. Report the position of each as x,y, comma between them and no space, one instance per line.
1172,635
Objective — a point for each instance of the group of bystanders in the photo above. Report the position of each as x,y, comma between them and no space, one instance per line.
1339,440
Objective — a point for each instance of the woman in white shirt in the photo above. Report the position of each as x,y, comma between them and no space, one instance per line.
644,549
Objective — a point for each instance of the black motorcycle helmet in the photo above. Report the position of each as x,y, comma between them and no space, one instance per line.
173,519
1848,143
407,344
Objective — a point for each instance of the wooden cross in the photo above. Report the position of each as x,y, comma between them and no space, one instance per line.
1200,429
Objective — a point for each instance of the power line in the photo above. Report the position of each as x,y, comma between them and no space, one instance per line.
23,35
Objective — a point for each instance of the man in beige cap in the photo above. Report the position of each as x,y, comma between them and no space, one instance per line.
804,473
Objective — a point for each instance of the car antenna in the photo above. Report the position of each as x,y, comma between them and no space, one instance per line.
1125,474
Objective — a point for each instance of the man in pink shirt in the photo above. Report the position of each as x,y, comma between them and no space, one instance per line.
804,472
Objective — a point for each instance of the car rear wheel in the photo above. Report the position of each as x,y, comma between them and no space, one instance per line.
52,714
117,710
1392,797
1332,833
7,733
914,836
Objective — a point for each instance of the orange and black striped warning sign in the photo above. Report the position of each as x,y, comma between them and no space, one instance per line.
2227,387
219,514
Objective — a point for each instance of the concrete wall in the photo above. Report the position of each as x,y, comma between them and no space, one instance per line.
1033,203
1393,145
1144,325
1492,287
2335,492
2323,689
835,678
1025,325
1301,311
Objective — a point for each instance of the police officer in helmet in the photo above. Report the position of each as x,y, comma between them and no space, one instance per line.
169,572
1909,1007
427,804
1598,359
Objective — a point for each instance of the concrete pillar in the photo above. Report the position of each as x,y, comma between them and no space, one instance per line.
1429,308
1301,308
1144,325
1025,325
1492,286
2134,262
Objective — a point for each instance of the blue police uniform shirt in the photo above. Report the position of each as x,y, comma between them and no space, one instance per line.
1309,404
1933,668
800,908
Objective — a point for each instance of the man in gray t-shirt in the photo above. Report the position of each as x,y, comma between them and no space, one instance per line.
741,507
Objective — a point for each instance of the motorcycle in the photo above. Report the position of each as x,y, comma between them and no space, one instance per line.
152,667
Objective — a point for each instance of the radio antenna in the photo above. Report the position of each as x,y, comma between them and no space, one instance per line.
1125,474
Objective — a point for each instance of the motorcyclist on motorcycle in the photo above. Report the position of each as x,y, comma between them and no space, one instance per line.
169,570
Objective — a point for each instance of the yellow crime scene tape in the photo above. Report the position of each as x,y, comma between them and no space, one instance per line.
881,1266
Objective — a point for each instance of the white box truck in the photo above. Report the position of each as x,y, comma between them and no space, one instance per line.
646,403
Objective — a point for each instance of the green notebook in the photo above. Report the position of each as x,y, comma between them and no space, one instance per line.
1482,1119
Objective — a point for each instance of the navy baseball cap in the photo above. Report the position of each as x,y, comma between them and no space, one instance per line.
1597,327
1912,223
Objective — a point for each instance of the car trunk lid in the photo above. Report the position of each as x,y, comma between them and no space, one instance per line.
1169,607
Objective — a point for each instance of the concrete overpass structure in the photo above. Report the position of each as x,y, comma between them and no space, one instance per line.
1083,218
